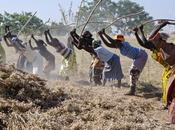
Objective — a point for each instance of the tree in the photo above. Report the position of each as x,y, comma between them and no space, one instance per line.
16,21
109,10
59,28
124,7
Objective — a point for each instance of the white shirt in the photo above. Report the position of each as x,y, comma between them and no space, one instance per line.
103,54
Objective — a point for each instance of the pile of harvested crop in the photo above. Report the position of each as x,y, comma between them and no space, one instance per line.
25,87
27,102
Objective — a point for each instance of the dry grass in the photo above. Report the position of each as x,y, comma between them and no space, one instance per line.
29,103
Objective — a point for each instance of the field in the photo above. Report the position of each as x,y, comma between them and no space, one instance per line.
75,105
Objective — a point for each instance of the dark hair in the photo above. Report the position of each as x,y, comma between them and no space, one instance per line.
87,34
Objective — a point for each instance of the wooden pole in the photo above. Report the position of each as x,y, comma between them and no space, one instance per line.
149,21
128,15
26,24
78,17
90,16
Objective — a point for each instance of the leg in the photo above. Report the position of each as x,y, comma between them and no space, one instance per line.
171,112
90,75
97,76
134,76
119,83
104,82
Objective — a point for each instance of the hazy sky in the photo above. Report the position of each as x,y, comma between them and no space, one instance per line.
49,8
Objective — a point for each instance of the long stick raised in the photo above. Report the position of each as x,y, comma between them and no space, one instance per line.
78,17
90,15
128,15
26,23
150,21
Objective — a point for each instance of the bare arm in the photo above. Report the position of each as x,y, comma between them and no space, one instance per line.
47,39
115,43
32,36
105,42
75,36
30,44
143,42
76,39
7,42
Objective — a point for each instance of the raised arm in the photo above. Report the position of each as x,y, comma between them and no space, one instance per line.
76,39
75,36
143,41
47,39
7,42
105,41
32,36
33,48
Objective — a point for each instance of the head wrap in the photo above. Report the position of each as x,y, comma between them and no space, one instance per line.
119,37
87,34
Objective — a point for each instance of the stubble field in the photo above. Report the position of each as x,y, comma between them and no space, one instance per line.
76,105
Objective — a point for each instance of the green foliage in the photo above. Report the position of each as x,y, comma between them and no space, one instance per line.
16,21
59,28
124,7
105,13
109,10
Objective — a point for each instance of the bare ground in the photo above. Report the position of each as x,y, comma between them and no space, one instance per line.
75,105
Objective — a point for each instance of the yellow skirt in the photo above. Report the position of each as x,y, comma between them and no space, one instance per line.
68,66
165,77
2,55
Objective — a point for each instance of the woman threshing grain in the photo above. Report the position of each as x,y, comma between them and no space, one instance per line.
112,69
65,52
28,59
164,53
49,57
69,65
138,56
85,43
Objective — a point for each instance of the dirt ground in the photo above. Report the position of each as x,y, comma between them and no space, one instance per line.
86,107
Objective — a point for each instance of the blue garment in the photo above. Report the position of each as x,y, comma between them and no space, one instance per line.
113,69
127,50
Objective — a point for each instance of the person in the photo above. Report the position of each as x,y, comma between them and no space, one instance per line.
112,69
138,56
2,53
60,47
34,58
83,42
65,52
96,71
69,65
163,52
28,60
49,57
11,38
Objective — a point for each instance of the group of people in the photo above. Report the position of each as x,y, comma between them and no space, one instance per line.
31,58
105,65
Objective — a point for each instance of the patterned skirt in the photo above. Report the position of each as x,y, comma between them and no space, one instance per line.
112,69
68,66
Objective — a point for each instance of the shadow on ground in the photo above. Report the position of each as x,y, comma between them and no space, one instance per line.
148,90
